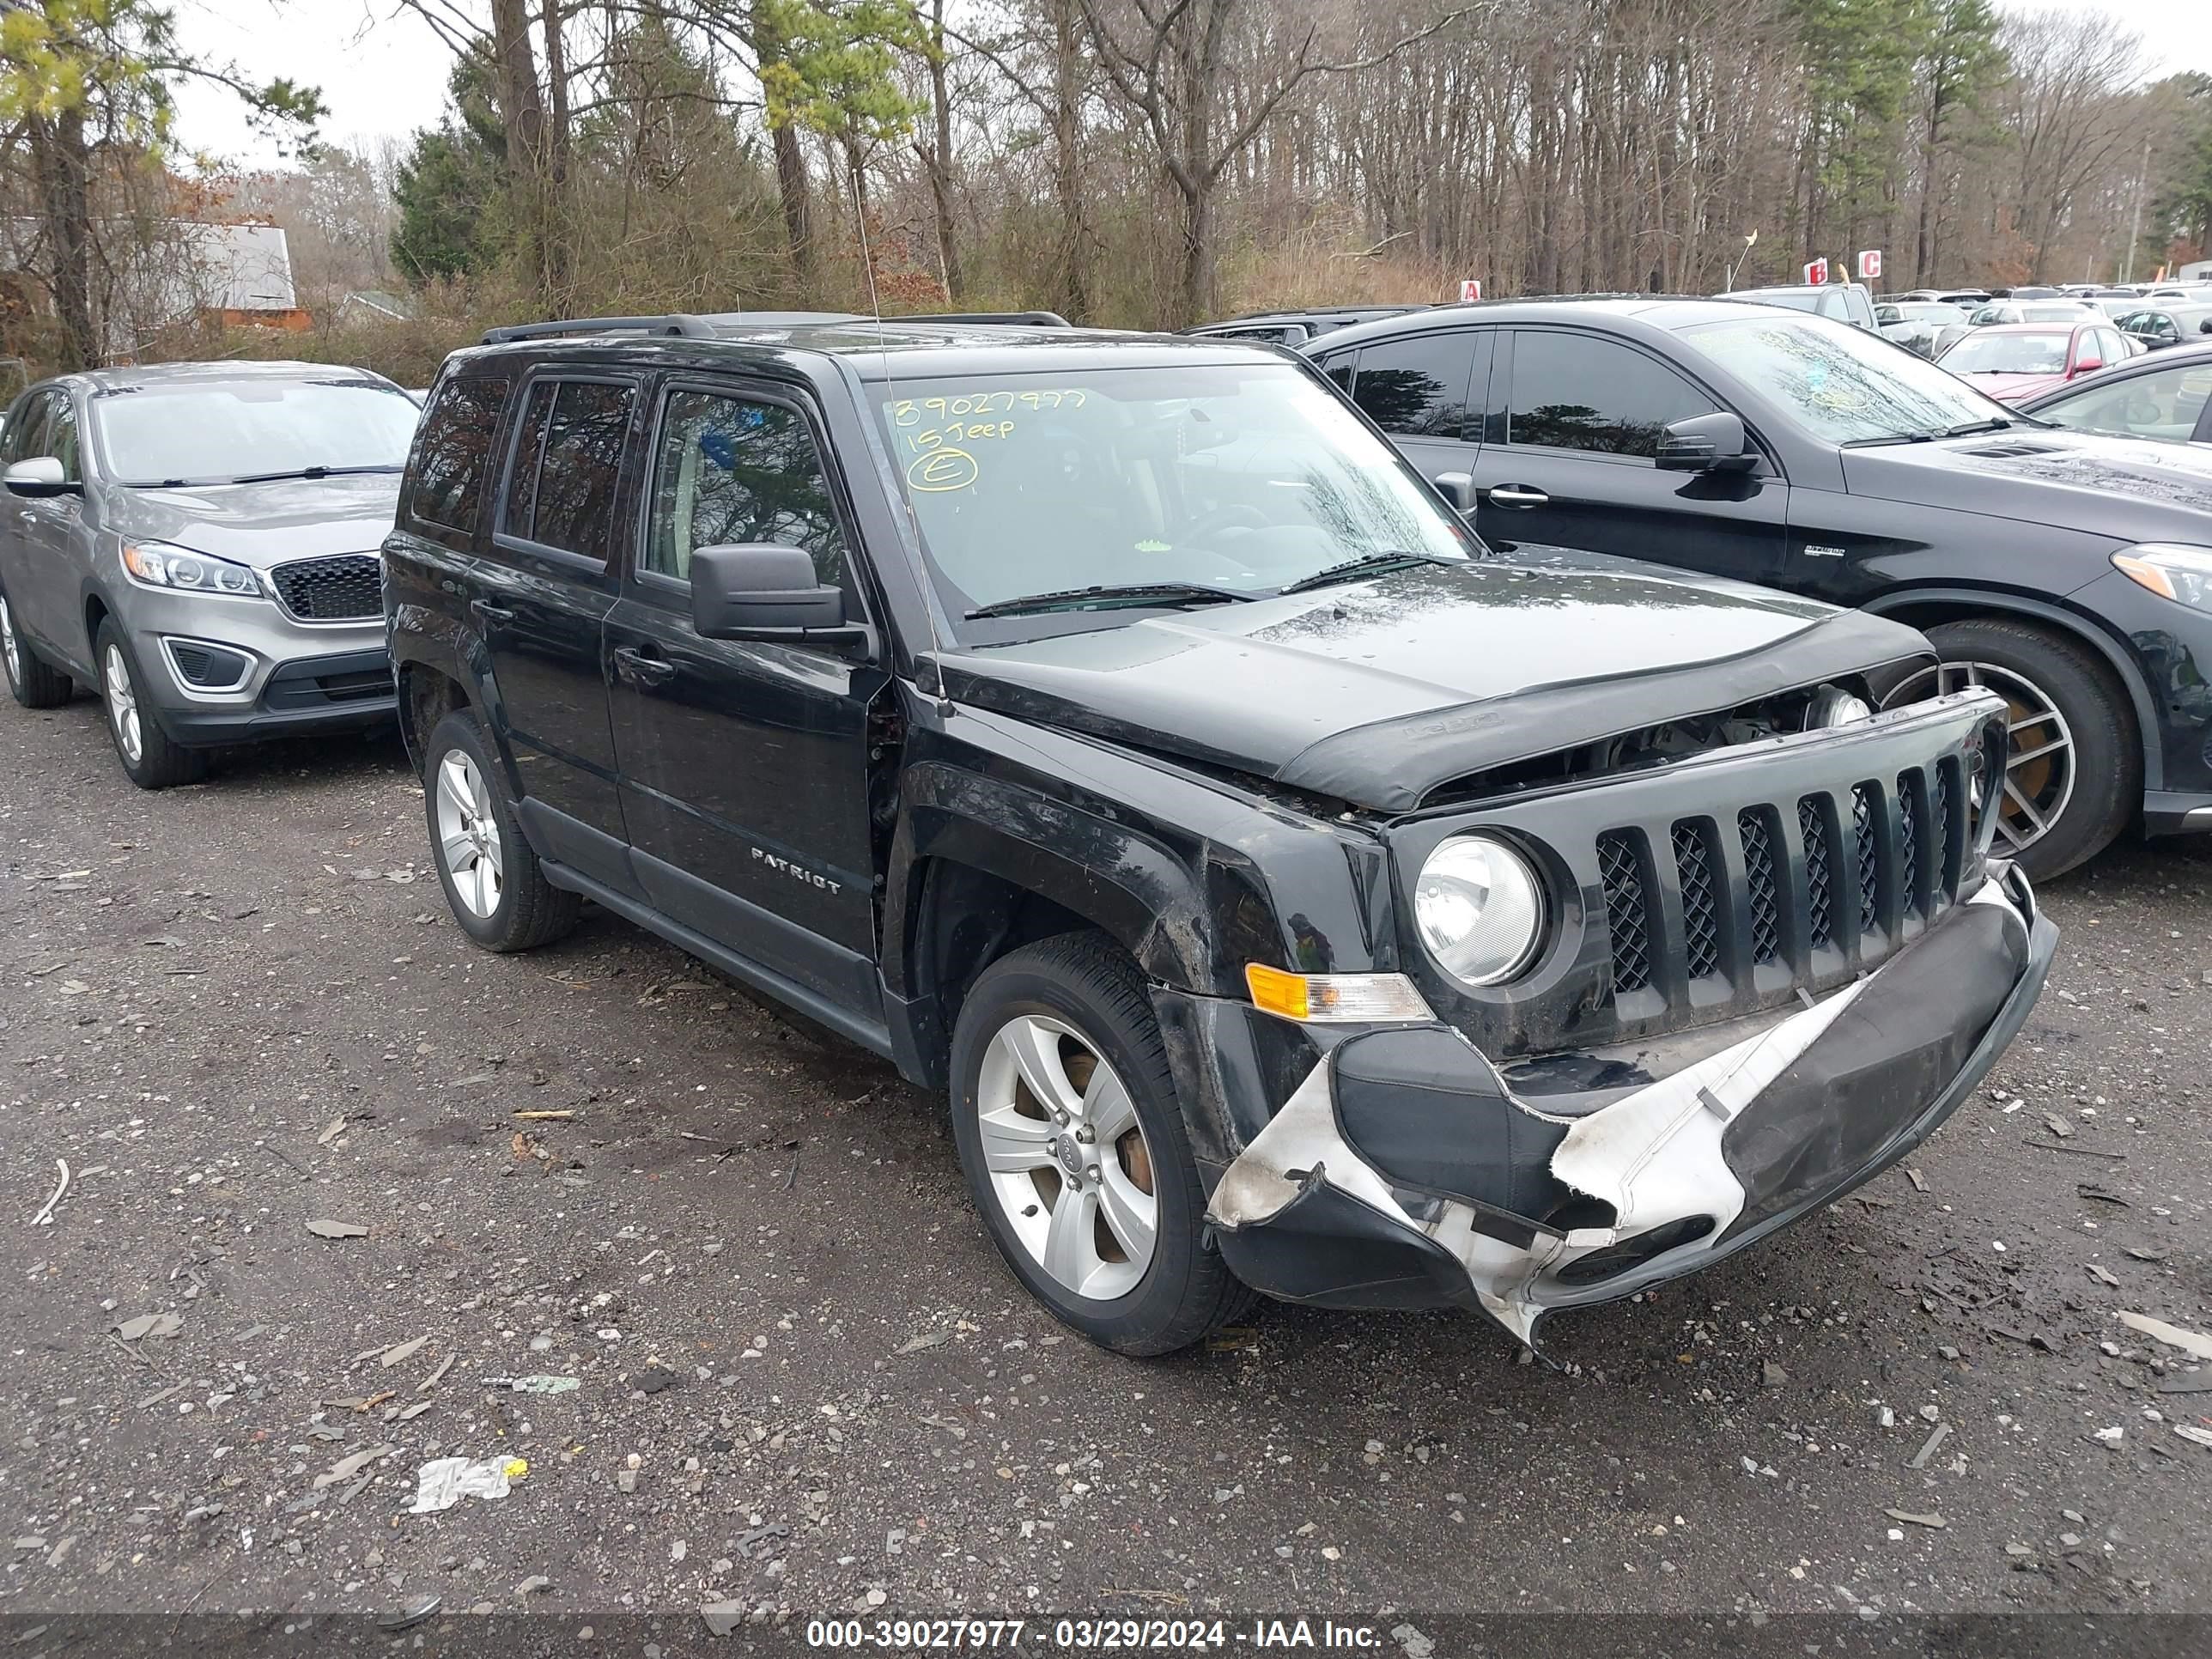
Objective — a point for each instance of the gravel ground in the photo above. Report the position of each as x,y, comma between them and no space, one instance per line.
805,1383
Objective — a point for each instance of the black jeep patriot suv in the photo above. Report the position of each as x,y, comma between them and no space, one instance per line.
1118,735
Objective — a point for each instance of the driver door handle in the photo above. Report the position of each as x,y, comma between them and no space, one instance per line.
635,665
1510,494
487,611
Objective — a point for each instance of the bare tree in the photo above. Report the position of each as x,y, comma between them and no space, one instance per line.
1170,59
2068,120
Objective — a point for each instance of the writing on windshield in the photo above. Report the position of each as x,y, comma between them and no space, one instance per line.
1242,479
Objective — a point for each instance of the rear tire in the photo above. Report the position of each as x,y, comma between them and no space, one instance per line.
31,682
149,759
2075,778
493,883
1068,1194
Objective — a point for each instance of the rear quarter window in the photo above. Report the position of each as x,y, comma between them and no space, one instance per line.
453,455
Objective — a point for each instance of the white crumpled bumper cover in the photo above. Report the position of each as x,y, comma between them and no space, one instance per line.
1654,1156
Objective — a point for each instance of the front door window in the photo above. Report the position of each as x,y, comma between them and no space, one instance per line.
1576,392
732,470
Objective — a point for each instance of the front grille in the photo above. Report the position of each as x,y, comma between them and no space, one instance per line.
1910,804
1863,832
312,691
1819,876
1727,884
354,688
1701,910
1626,916
1761,887
1863,867
343,587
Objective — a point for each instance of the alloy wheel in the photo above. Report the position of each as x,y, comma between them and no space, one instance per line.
468,834
1069,1165
8,648
2039,770
122,705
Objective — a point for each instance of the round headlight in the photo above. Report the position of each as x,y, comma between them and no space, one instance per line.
1480,908
1833,705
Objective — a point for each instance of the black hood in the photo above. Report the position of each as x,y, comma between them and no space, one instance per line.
1378,692
262,524
2125,489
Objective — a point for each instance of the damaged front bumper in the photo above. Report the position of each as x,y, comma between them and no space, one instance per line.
1404,1170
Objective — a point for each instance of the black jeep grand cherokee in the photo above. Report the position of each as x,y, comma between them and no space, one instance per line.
1116,733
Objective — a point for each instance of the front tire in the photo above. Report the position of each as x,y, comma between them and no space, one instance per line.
31,681
149,758
1065,1114
2074,777
493,883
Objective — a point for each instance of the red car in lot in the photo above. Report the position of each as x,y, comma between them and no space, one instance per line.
2013,361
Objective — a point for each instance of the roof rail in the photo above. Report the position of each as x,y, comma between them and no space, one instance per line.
1019,318
675,323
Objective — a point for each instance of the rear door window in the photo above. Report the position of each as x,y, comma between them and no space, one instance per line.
1418,387
567,464
452,453
1578,392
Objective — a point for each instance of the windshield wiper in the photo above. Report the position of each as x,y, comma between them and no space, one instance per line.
1968,428
1367,564
1111,593
1891,438
310,472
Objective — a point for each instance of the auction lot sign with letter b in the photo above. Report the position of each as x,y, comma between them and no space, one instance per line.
1816,272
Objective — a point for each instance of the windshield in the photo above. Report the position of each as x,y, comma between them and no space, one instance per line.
214,434
1842,384
1235,479
1984,352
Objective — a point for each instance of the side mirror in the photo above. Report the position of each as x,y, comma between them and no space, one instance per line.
754,591
2205,328
40,478
1706,443
2083,365
1458,488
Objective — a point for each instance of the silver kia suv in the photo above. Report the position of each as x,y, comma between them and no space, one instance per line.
197,542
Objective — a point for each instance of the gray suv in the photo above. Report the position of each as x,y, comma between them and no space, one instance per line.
197,543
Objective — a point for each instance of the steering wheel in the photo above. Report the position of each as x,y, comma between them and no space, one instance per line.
1242,515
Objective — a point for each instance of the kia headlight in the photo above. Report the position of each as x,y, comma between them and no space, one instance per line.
2172,570
158,565
1480,909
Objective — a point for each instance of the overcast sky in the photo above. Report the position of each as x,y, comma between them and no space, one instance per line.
383,72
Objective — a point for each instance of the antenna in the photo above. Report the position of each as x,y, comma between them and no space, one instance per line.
898,492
